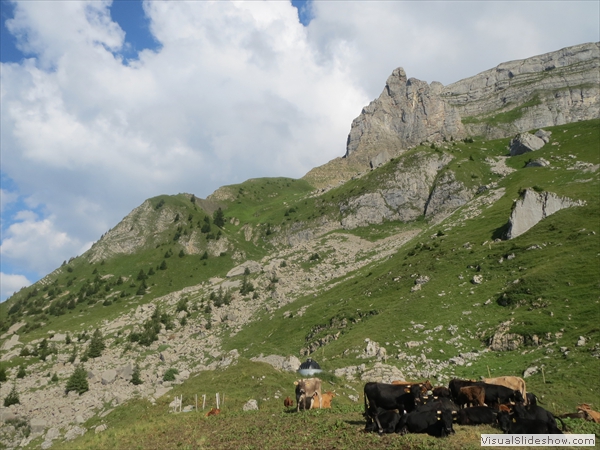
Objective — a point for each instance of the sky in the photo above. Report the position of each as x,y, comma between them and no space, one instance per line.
106,104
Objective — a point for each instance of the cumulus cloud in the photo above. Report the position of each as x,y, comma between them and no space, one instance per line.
235,90
9,284
34,243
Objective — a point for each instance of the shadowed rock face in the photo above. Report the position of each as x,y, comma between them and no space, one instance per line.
551,89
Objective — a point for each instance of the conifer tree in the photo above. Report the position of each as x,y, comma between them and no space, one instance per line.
78,381
21,373
135,376
96,345
12,398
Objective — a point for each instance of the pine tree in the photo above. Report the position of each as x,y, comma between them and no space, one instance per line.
135,376
219,218
96,345
142,289
21,373
163,265
78,381
12,398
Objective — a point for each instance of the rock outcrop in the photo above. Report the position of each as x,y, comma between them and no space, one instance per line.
418,186
550,89
533,207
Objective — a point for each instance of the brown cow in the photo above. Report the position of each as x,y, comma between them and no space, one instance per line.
424,385
514,383
471,396
589,413
326,401
305,390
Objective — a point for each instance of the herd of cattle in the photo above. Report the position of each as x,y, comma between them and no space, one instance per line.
418,407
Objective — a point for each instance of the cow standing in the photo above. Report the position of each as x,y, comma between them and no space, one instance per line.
305,390
514,383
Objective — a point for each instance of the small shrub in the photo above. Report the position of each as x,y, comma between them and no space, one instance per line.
22,372
170,374
12,398
135,376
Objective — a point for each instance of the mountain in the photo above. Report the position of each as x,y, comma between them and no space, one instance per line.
456,238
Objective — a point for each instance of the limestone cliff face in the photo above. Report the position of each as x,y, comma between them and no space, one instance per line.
418,186
407,112
551,89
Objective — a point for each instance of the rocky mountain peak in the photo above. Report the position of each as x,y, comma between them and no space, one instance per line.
545,90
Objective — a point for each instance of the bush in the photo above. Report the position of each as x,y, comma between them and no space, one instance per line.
2,374
12,398
135,376
170,374
78,381
21,373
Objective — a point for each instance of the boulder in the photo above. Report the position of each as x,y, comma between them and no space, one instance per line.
251,405
74,433
524,143
108,376
544,135
12,342
530,371
37,425
534,206
540,162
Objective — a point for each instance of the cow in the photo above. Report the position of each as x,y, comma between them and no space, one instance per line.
496,394
531,399
305,390
384,421
476,415
389,397
505,408
589,413
435,423
471,396
441,391
424,385
535,412
326,398
518,425
455,385
442,403
288,402
514,383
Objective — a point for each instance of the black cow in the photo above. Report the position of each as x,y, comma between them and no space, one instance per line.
455,385
441,391
496,394
384,421
531,398
434,423
535,412
476,415
516,425
440,403
389,397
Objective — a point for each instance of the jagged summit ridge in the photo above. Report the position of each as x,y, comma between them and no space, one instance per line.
550,89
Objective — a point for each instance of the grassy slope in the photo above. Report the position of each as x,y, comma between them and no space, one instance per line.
379,305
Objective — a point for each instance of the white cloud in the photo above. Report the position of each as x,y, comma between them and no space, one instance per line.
9,284
7,198
37,244
236,90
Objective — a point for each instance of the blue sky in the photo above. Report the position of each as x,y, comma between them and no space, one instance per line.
105,104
